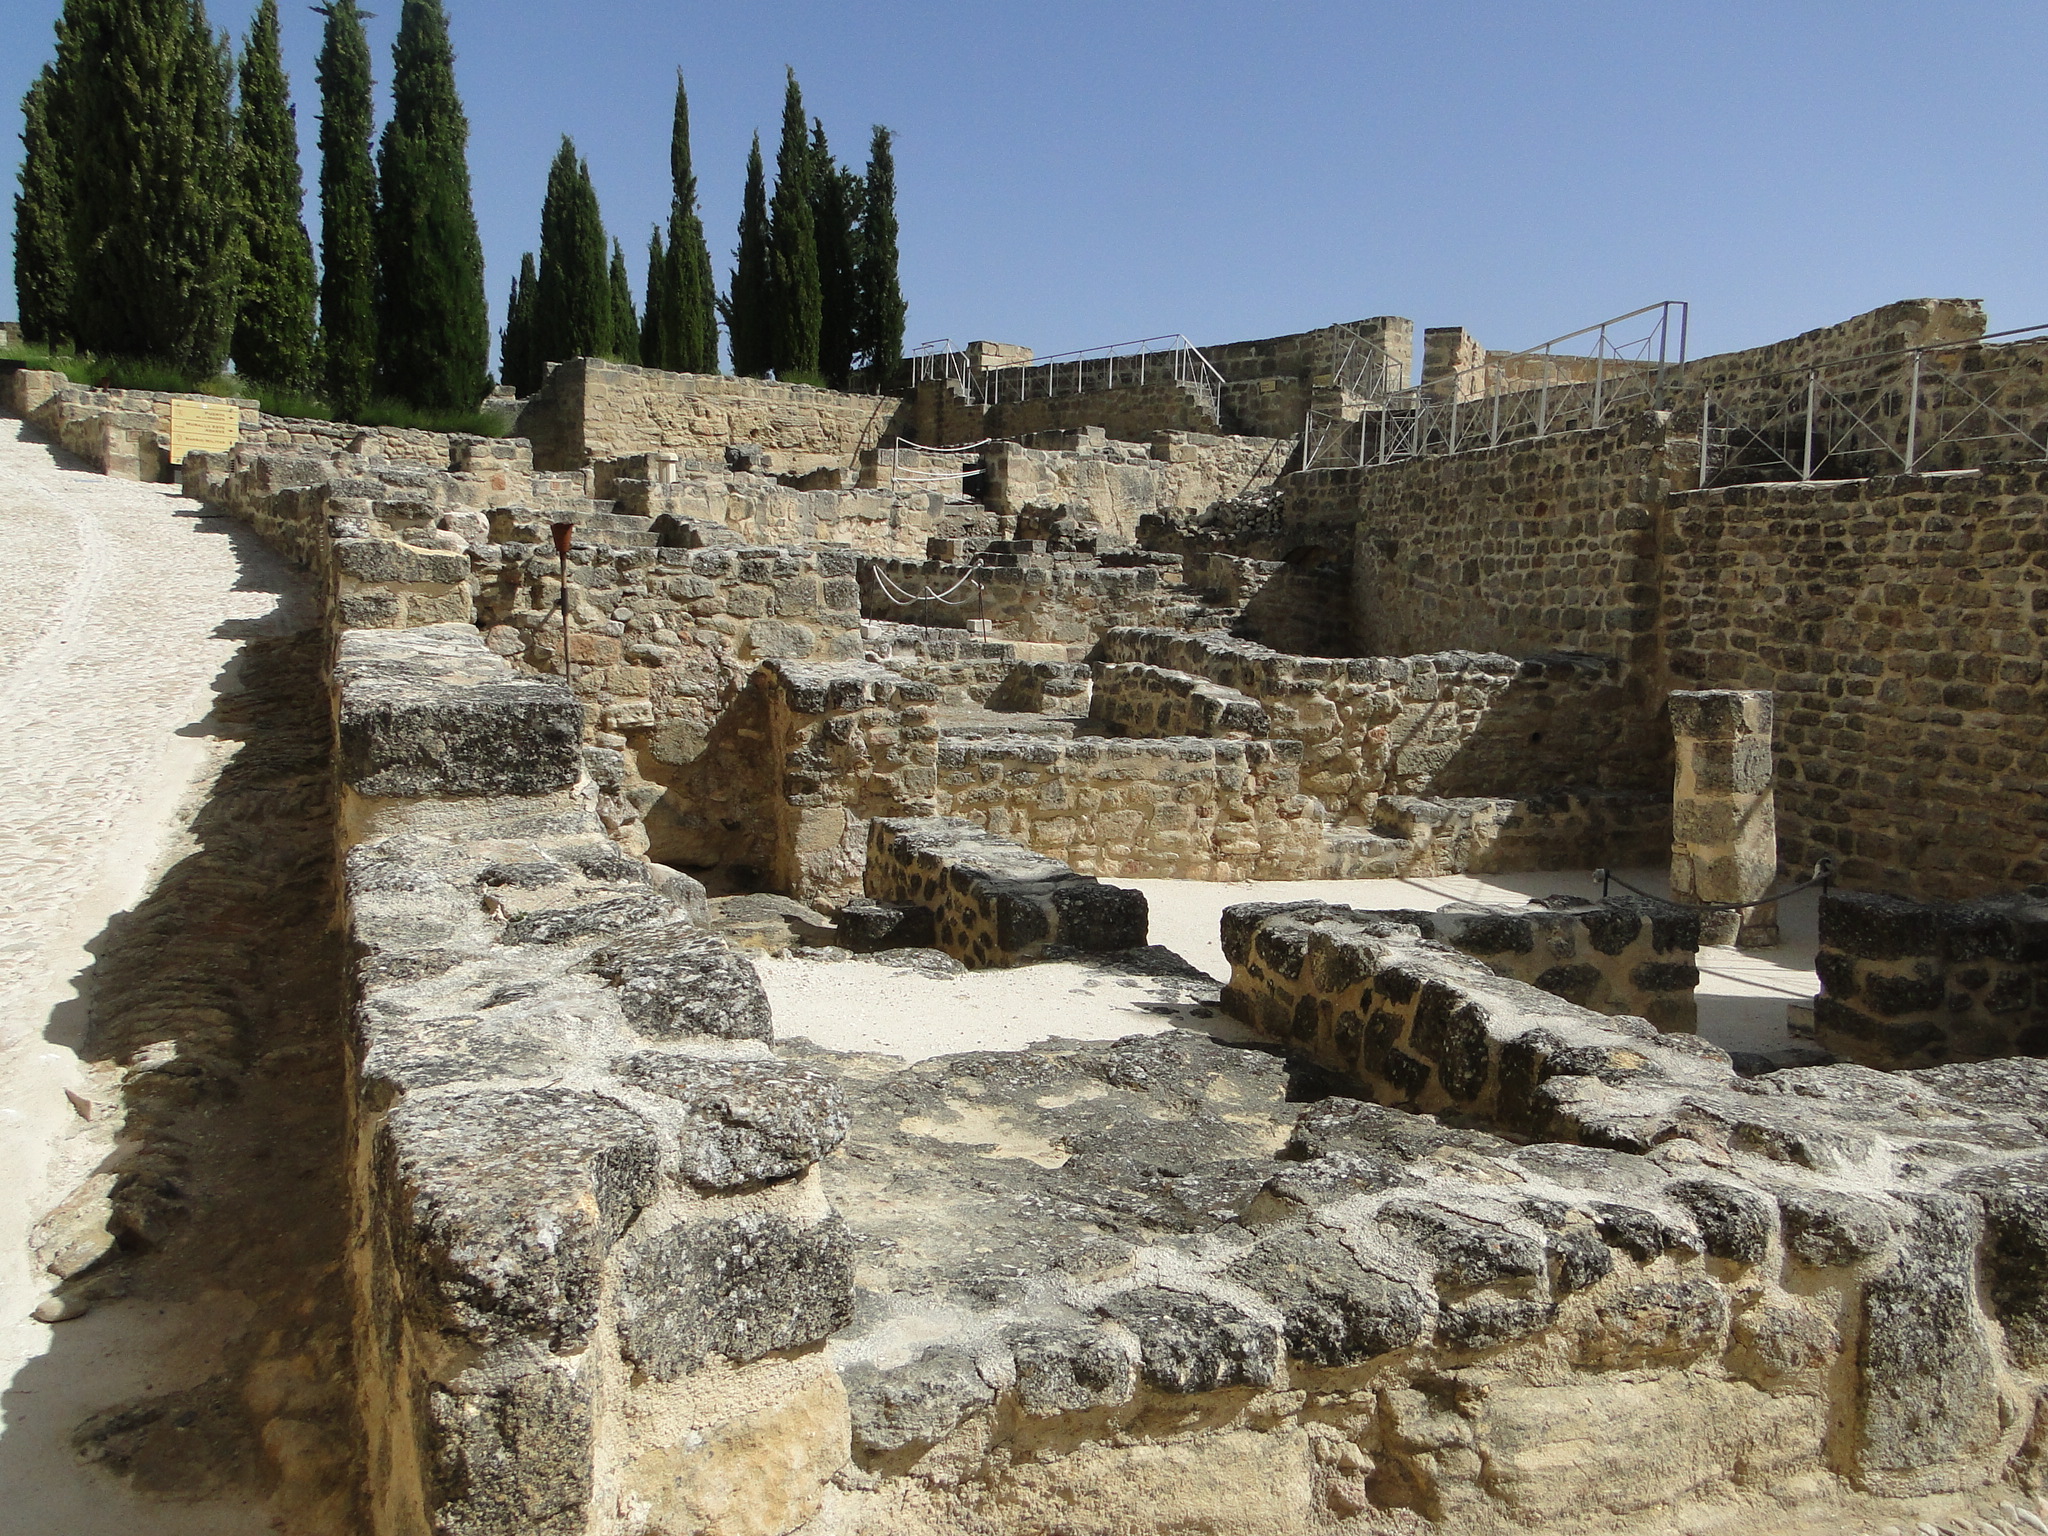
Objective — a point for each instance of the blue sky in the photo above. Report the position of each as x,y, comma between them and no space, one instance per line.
1079,174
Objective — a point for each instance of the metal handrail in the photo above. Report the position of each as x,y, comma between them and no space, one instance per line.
1019,381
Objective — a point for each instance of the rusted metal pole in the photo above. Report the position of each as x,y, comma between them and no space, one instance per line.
565,534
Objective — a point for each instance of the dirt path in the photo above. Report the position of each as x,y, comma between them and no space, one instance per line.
169,1067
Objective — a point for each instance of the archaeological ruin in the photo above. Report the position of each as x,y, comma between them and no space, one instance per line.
1405,1211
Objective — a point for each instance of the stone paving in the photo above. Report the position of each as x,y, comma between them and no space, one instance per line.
126,609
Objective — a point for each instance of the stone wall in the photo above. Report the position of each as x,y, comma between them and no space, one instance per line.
588,409
570,1241
1133,699
1899,623
1620,956
1369,726
1183,808
1910,984
1116,484
1421,835
993,903
1784,1209
120,432
1070,601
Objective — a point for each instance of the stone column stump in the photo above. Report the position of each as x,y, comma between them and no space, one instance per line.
1724,828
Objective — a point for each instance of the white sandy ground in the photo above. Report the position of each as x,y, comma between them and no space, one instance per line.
110,657
859,1005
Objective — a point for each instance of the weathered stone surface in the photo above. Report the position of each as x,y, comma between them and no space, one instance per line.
1467,1250
512,1200
1191,1344
867,925
1336,1311
676,981
740,1287
566,925
430,712
513,1452
742,1122
1737,1223
914,1405
1070,1368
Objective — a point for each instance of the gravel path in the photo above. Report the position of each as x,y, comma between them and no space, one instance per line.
126,609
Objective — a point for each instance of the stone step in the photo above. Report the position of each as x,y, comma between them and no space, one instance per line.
1352,853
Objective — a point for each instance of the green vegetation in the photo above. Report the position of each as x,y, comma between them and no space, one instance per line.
795,296
154,218
42,213
881,295
573,309
519,359
835,203
274,335
747,301
625,321
682,318
433,329
348,210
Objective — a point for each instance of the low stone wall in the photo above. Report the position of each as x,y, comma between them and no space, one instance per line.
1136,700
761,510
1173,808
587,409
1369,726
571,1241
1414,835
1047,600
1619,956
1908,1277
992,902
1116,484
119,432
1907,984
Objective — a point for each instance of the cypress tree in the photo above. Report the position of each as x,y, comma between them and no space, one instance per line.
519,359
433,326
747,300
690,322
573,302
654,351
155,235
795,307
625,321
881,295
348,212
832,215
274,339
42,211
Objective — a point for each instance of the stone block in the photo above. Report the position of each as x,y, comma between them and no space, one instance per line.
741,1122
676,981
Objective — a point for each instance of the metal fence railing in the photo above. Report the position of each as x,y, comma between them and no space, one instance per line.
1586,378
1948,405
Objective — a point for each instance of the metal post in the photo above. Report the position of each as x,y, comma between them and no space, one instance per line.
1599,373
1812,395
564,535
1913,417
1706,417
1494,440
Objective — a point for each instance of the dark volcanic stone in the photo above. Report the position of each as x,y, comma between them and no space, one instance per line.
867,925
676,981
741,1287
1485,1322
1735,1222
745,1122
513,1200
2015,1201
565,925
913,1405
1066,1369
1351,1125
1189,1344
1828,1228
1467,1251
1336,1311
512,1457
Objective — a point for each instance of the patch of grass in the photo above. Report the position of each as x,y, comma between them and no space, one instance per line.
79,370
393,413
802,376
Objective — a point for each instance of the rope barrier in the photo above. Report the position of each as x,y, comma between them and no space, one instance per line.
1823,875
897,594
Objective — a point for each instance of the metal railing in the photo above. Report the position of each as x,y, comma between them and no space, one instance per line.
1947,405
938,360
1585,378
1149,360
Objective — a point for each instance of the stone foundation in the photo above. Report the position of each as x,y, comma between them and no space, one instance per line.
992,902
1906,984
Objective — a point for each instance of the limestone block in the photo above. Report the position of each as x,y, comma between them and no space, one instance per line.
741,1122
677,982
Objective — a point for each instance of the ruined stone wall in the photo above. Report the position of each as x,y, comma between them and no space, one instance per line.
1129,412
761,511
1899,623
1542,546
1915,984
1182,808
1369,726
589,409
1118,484
570,1241
1063,602
1825,1285
1134,699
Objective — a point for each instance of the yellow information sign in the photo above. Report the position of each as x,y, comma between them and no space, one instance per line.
203,426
